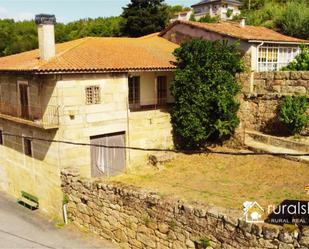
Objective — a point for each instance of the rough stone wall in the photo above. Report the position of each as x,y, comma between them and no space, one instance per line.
261,95
138,219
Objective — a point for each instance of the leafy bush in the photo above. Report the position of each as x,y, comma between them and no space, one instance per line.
290,17
301,62
294,19
293,113
204,88
208,19
229,13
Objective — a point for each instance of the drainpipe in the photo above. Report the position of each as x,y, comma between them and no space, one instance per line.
256,61
65,214
257,51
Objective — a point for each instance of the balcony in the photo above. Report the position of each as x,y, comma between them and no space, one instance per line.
150,104
36,116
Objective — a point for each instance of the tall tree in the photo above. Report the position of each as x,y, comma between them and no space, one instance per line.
204,88
142,17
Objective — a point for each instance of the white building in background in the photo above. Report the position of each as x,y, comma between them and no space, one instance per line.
263,49
225,9
183,15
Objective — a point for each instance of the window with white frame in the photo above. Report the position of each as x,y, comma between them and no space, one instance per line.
274,57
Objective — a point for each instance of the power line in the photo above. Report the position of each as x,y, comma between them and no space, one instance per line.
204,151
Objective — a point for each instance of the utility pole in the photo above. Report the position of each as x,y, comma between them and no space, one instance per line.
249,5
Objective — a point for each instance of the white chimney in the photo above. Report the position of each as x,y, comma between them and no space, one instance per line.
46,35
243,22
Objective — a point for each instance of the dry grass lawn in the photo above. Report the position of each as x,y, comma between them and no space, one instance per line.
225,180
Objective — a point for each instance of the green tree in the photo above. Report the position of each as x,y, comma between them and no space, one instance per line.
142,17
293,113
16,37
294,20
290,17
204,89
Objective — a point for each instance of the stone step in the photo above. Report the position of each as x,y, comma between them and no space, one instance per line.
259,146
287,143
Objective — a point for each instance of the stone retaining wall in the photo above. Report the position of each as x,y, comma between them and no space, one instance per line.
138,219
261,95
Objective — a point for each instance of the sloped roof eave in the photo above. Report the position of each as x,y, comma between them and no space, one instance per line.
234,36
87,70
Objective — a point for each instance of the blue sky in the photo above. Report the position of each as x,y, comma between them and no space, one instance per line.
68,10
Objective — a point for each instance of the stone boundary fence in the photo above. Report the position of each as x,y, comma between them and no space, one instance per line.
262,93
135,218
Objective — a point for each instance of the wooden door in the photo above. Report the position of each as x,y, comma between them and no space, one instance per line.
162,90
108,161
24,101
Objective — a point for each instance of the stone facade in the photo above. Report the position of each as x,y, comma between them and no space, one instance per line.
261,95
76,122
135,218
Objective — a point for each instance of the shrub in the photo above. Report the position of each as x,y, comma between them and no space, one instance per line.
293,113
204,89
208,19
294,19
229,13
301,62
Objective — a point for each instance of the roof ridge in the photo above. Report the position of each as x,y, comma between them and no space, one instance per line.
82,40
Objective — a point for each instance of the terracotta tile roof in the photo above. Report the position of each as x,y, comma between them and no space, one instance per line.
249,33
98,54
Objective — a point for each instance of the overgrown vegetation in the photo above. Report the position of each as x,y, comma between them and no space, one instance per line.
208,19
144,17
293,113
16,37
301,62
204,88
290,17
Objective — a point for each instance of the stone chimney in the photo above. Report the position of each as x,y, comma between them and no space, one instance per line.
242,22
46,34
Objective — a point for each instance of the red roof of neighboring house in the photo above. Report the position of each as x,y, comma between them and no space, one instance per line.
98,54
249,33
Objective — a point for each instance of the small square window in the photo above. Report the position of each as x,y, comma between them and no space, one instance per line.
1,137
93,95
27,143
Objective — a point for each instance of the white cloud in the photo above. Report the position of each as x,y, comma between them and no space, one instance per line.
17,16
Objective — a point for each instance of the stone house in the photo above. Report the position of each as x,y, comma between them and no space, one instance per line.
225,9
263,48
105,91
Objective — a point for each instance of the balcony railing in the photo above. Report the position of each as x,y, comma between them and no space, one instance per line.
44,117
152,104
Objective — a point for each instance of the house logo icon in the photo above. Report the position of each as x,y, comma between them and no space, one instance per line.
253,212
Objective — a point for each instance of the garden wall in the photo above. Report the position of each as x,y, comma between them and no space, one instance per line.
261,95
138,219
